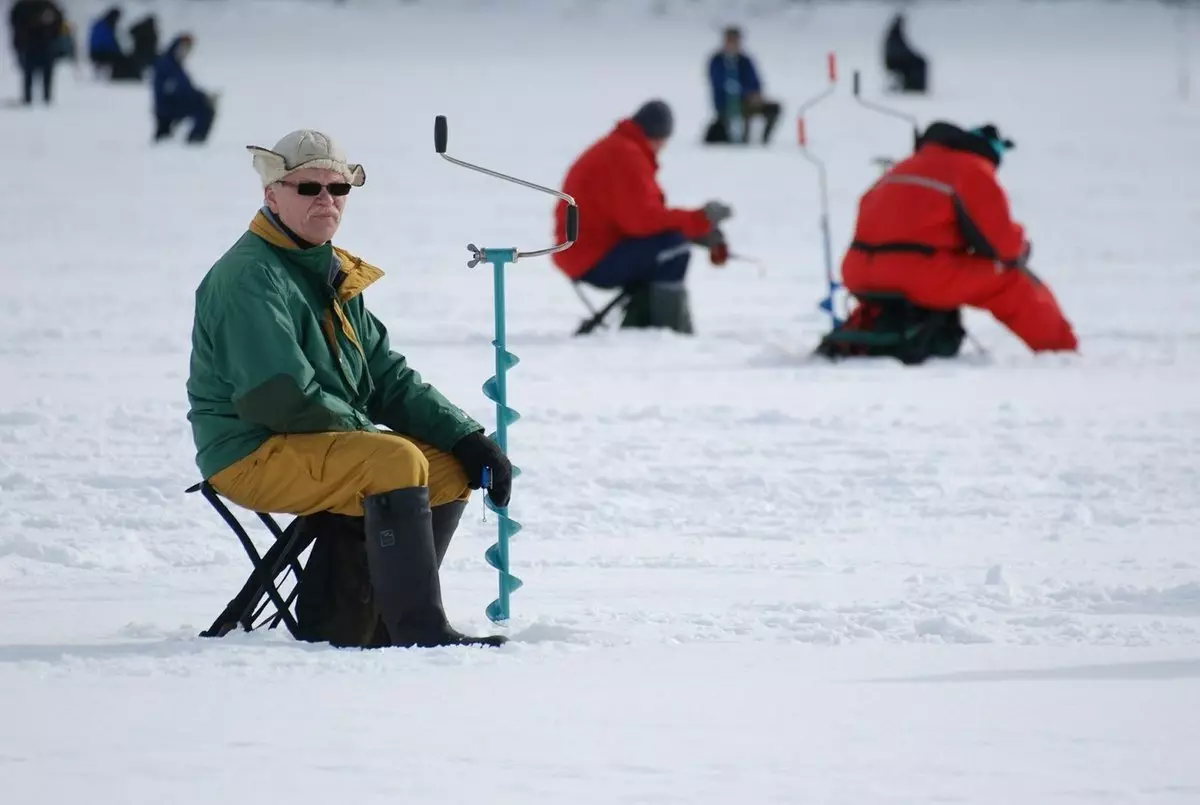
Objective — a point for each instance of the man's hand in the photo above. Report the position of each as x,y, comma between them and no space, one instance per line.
476,452
718,254
716,212
714,241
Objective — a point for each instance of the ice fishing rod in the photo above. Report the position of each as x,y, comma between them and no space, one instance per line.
496,386
754,261
802,137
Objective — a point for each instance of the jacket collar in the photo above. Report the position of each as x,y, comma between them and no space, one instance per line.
631,131
341,271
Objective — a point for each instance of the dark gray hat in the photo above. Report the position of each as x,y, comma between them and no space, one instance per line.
655,119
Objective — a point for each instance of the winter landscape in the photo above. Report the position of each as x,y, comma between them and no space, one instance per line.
749,576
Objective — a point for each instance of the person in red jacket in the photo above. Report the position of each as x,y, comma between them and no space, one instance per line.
628,236
937,229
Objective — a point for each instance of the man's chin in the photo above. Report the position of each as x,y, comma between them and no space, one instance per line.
327,226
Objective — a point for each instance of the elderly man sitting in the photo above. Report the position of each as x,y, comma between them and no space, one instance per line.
291,375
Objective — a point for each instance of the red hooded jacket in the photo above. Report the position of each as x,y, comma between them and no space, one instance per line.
937,229
613,183
942,204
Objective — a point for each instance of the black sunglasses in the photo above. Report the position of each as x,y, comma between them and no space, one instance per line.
314,188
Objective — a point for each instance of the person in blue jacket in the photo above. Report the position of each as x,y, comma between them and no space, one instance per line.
103,48
175,97
737,94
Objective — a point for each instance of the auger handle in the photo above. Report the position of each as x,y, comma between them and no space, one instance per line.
441,135
572,223
911,120
831,69
441,132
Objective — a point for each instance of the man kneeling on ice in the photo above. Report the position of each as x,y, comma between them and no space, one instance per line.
936,229
290,375
628,237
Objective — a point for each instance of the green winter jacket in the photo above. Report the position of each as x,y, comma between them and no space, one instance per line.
282,343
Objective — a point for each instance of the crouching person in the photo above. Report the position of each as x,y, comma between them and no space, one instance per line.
291,377
176,98
936,229
628,237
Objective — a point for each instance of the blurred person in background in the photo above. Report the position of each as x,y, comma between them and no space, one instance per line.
66,47
737,94
108,58
37,28
104,49
144,35
937,229
908,68
628,237
176,98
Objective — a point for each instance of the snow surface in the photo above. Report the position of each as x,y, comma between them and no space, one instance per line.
749,578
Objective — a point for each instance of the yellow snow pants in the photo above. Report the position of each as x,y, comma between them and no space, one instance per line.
306,473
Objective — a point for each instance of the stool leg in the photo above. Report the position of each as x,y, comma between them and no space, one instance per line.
262,579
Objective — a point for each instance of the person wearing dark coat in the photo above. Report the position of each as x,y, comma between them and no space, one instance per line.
909,69
107,56
36,27
176,98
737,94
144,34
103,48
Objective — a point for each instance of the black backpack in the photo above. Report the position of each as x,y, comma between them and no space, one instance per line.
888,325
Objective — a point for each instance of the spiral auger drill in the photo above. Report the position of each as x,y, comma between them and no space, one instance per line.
496,387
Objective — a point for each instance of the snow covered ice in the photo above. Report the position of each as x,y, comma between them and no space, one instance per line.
748,577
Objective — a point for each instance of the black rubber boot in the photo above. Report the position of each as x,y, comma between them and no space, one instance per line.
669,307
445,523
335,604
402,561
637,309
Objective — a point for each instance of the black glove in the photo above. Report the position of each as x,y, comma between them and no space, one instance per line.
475,452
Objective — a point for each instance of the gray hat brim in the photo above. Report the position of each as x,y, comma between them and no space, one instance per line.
272,167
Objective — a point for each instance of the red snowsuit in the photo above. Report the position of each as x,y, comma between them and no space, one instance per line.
937,229
613,183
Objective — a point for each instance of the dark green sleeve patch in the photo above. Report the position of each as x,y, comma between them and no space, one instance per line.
281,406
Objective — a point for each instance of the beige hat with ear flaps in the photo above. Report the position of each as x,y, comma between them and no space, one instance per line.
304,148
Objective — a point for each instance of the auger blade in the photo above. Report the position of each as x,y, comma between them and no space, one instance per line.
509,359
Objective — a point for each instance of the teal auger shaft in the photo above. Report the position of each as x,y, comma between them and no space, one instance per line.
496,386
496,389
